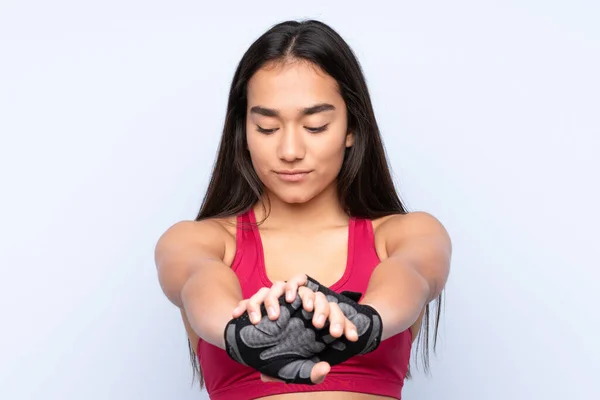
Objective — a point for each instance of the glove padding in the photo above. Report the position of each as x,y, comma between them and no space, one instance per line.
366,319
285,349
290,346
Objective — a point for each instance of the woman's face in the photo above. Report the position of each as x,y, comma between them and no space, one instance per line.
296,130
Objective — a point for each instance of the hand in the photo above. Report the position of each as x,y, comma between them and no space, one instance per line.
317,375
322,309
291,346
283,349
366,319
312,302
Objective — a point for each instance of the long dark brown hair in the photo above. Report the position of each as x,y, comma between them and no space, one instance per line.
365,185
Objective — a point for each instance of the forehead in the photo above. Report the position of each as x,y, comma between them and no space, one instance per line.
292,85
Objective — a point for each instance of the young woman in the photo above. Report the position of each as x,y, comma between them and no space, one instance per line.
301,188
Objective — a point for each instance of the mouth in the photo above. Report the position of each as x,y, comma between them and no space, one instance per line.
292,175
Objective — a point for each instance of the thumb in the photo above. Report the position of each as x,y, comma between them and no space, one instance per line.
319,372
266,378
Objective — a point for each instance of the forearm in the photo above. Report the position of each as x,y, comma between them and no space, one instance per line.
209,297
398,293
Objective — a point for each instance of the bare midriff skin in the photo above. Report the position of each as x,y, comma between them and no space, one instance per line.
286,255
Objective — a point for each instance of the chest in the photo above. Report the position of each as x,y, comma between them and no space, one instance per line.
324,255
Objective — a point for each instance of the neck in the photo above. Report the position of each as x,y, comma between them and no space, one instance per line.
323,210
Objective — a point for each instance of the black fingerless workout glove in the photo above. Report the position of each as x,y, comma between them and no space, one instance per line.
366,319
284,349
290,346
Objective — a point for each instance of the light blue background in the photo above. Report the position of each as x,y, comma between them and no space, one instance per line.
110,115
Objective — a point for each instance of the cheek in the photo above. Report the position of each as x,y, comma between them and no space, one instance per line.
331,156
259,156
258,160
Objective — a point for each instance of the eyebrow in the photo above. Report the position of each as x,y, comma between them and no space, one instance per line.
270,112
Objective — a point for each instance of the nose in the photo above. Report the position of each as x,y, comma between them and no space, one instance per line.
291,145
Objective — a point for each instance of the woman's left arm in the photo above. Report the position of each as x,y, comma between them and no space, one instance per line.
416,269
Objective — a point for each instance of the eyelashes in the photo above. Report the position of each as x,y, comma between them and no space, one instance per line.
263,130
317,130
310,129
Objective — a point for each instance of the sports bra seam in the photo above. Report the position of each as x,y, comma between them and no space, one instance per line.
262,271
238,244
354,376
351,246
371,232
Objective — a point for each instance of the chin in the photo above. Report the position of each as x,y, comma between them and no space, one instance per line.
294,197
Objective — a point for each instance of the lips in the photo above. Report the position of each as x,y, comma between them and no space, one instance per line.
292,171
292,175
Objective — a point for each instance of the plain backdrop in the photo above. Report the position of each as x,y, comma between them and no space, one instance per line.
110,116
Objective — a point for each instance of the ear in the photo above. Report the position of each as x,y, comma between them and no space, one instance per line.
349,139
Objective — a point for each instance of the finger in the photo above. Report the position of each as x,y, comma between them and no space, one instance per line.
291,287
253,305
337,320
319,372
239,310
308,298
321,310
272,299
266,378
350,330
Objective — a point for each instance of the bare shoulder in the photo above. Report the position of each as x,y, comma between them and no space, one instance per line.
183,247
210,235
398,228
412,223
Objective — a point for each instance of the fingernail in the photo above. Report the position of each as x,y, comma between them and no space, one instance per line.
254,317
353,332
309,303
337,327
288,295
271,311
321,319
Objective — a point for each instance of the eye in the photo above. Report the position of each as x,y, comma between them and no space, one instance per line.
317,130
263,130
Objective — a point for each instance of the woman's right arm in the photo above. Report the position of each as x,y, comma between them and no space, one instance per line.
192,273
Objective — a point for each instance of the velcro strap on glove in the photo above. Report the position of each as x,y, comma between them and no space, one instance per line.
366,319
